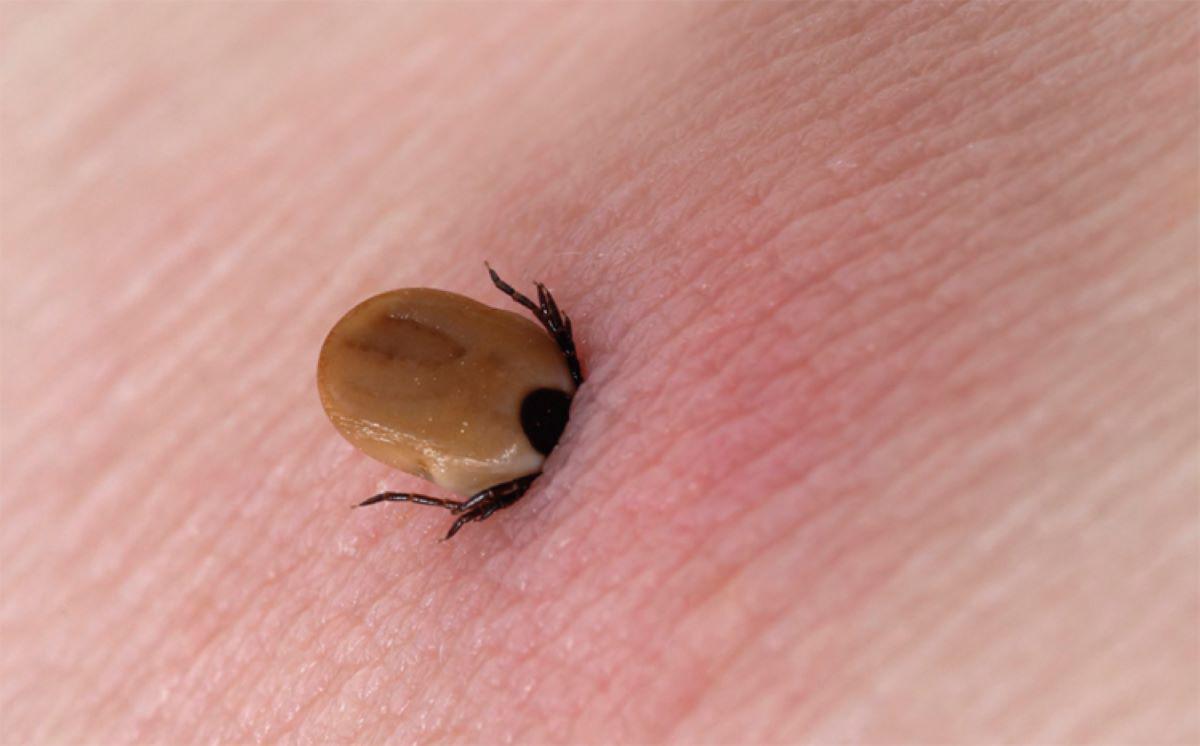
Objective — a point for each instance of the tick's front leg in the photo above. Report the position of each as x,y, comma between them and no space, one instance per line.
558,324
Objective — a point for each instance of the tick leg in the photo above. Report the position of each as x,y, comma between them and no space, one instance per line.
462,521
409,497
482,512
547,312
482,504
513,490
511,292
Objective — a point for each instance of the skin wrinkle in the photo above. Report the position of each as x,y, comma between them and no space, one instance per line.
256,489
861,671
651,313
576,615
99,336
549,633
872,88
684,356
474,677
293,717
194,437
819,561
525,695
994,422
480,660
293,712
200,645
648,655
1087,656
81,547
863,194
618,278
954,364
239,559
726,662
720,663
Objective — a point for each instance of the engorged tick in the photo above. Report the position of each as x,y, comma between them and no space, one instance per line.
469,397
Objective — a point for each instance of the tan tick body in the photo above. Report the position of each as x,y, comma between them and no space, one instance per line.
431,383
468,396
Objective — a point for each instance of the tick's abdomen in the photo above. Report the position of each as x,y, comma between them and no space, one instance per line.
441,386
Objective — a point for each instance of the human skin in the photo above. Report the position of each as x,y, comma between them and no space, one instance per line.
889,315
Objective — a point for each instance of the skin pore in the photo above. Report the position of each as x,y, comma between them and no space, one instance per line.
888,313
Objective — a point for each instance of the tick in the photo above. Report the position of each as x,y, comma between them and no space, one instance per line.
469,397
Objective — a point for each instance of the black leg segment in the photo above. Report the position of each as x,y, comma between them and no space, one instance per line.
557,323
409,497
477,507
482,504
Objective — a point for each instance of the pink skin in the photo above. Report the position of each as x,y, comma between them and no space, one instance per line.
890,315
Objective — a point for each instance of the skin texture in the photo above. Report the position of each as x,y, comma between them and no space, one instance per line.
890,313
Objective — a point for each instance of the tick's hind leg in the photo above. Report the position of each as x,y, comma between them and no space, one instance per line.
409,497
547,312
512,491
485,502
475,508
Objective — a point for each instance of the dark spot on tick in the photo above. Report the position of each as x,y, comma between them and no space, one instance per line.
544,417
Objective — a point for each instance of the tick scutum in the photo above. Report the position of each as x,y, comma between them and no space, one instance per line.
544,414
